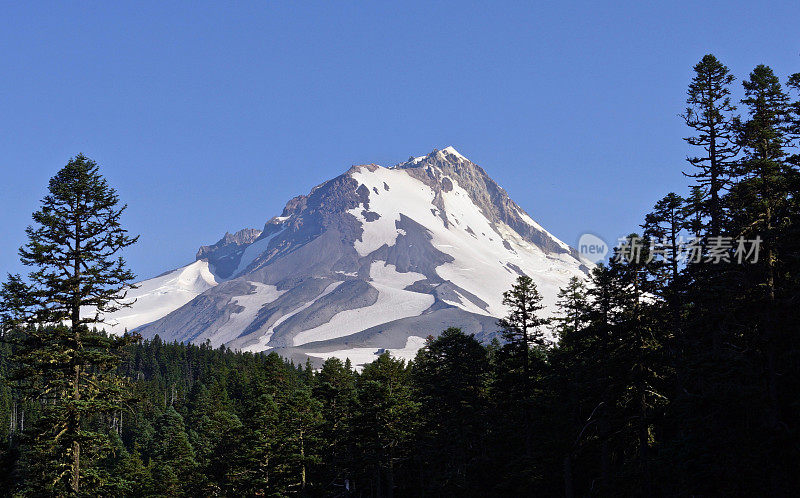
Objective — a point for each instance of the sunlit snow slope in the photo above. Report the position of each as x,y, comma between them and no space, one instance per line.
374,258
156,297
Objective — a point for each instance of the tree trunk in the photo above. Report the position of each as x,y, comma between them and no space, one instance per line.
605,463
76,445
12,419
303,463
378,483
644,442
75,317
390,476
604,423
778,477
714,187
642,388
526,411
569,490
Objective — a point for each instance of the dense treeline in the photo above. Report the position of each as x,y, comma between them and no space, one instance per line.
676,370
203,422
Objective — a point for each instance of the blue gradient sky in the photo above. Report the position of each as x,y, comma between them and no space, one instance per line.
207,116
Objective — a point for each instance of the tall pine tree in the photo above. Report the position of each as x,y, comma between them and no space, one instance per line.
523,328
708,113
78,277
765,197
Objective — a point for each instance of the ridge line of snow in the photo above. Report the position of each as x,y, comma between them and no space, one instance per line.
158,296
253,251
262,342
453,151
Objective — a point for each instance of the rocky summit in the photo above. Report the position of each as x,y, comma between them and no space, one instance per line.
375,259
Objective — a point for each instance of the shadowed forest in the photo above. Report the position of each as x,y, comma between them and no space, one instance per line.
675,369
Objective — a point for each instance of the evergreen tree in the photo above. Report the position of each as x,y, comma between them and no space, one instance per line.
223,468
258,456
663,226
641,337
764,195
600,348
571,383
384,423
173,456
335,388
709,114
794,128
450,377
138,478
73,246
522,328
572,308
764,188
300,419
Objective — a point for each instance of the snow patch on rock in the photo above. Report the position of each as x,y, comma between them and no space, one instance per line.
263,340
393,303
261,295
253,251
361,356
157,297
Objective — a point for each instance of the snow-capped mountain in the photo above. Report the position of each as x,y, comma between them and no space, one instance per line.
375,258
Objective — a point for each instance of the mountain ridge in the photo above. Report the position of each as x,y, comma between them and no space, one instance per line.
371,258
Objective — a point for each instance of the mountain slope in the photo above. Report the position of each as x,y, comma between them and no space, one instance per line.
157,297
374,258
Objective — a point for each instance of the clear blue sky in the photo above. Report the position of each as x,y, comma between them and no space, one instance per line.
208,116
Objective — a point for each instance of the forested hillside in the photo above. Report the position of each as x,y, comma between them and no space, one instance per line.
676,371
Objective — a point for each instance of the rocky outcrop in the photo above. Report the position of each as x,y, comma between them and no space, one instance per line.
223,256
371,258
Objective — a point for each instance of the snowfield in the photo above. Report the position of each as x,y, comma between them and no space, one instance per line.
261,295
263,341
393,303
458,252
481,258
361,356
157,297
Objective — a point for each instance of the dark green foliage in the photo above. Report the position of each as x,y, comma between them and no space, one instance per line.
335,387
666,224
450,375
709,115
60,362
667,378
384,424
172,455
522,328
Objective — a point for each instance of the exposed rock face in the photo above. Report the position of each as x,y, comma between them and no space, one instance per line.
224,255
437,168
375,258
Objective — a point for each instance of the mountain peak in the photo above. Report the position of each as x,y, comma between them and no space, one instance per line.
225,248
452,150
449,155
373,258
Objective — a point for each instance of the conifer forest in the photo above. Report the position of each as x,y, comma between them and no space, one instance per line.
672,369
